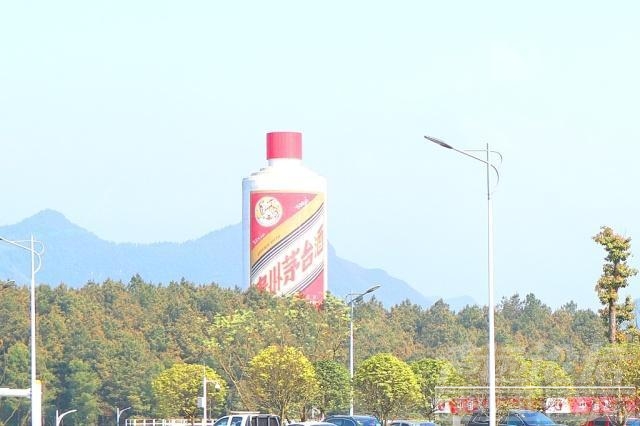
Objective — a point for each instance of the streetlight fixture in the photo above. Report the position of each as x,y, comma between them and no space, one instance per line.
491,313
204,396
354,297
59,417
119,413
36,391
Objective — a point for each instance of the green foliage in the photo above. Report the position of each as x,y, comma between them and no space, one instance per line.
544,377
474,320
81,392
615,275
441,328
236,336
101,346
283,381
177,389
385,386
613,365
334,387
235,339
547,373
515,370
406,321
432,373
574,334
15,374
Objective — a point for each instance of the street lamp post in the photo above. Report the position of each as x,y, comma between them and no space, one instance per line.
36,392
59,417
204,396
491,313
354,297
119,413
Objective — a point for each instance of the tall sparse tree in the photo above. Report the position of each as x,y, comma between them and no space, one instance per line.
615,275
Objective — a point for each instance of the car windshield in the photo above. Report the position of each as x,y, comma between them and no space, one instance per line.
367,421
480,418
536,418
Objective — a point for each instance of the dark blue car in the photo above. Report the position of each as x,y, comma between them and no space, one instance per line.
340,420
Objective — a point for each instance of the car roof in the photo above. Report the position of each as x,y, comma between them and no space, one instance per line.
355,416
311,423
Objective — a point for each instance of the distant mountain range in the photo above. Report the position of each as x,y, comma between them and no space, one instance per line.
75,256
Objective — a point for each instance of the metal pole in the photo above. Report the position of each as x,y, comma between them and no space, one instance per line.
59,417
355,297
491,308
36,396
351,358
491,313
204,398
35,391
118,413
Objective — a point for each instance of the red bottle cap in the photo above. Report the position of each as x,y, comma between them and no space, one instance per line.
284,145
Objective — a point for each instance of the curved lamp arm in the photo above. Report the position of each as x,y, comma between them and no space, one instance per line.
37,252
357,297
466,153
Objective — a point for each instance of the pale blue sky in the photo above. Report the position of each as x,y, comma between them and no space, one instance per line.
138,120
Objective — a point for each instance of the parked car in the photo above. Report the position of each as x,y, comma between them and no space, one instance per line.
526,418
310,423
476,418
248,418
356,420
412,423
611,421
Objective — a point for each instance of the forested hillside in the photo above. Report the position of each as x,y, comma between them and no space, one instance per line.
75,256
101,345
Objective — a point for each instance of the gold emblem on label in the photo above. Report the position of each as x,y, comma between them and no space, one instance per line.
268,211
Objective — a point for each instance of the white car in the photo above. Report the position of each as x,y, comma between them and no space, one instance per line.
248,418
